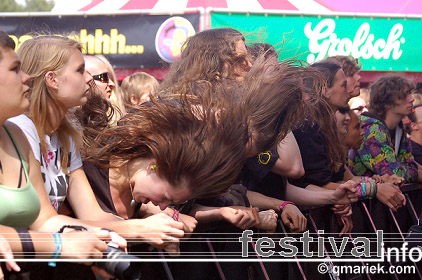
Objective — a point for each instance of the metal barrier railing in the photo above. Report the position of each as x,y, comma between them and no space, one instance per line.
369,215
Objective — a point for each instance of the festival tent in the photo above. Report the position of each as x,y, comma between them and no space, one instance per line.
392,25
409,7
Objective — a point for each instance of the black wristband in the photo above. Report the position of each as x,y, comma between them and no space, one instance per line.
78,228
27,245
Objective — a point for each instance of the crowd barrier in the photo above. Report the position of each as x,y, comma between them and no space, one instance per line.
215,245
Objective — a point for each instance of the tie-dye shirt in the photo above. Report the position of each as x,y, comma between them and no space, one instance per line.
377,153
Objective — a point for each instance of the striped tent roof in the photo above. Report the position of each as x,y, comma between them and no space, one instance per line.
312,6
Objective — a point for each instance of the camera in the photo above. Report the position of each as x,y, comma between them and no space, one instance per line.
122,268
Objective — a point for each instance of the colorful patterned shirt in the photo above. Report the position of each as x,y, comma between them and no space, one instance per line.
377,153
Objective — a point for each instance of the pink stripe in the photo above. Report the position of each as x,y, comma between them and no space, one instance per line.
91,5
328,5
277,5
139,4
207,3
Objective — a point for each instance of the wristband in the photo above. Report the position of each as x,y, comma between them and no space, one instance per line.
281,207
27,245
78,228
57,248
371,189
359,190
375,189
363,188
175,215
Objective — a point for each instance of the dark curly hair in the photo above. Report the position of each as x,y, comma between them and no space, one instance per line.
386,90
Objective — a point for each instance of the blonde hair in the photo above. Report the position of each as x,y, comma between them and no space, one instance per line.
138,84
40,55
418,98
116,98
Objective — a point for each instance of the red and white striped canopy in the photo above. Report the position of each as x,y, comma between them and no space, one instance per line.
312,6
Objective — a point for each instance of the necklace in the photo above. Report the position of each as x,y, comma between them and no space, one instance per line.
133,201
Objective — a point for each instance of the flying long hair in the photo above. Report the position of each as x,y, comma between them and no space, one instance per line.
210,56
196,140
273,94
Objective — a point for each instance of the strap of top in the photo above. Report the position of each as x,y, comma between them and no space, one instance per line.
25,165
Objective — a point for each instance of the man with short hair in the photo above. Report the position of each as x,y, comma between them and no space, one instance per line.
416,133
98,70
385,148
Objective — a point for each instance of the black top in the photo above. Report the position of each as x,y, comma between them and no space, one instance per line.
315,158
416,151
99,181
256,175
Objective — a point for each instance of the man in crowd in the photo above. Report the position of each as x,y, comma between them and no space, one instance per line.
385,148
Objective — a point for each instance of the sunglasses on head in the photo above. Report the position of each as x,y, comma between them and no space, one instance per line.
103,77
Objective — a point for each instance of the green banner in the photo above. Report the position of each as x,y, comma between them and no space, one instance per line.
381,44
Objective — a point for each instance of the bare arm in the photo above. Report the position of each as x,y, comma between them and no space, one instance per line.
289,162
73,244
317,196
264,202
242,217
290,215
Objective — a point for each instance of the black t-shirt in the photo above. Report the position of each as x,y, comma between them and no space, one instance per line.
256,175
315,158
416,151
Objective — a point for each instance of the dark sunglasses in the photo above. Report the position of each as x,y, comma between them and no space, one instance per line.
359,109
103,77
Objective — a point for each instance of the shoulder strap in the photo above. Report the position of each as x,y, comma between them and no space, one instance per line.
25,165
